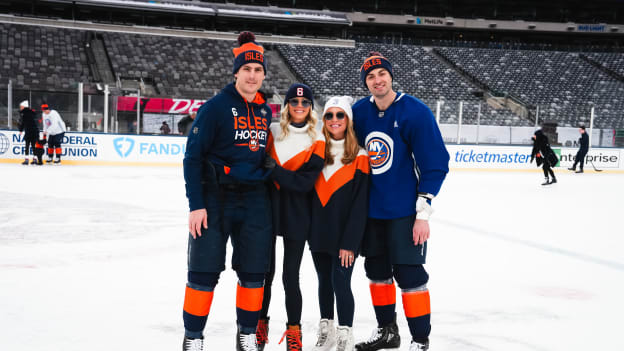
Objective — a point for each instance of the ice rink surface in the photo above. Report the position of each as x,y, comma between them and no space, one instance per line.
94,258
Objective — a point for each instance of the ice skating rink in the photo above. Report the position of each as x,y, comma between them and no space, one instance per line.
94,258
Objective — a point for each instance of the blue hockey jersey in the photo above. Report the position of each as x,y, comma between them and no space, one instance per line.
406,151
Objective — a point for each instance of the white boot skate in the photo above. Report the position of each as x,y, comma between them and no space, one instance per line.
344,339
326,335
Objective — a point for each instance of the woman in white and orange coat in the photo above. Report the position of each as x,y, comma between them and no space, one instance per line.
295,153
339,211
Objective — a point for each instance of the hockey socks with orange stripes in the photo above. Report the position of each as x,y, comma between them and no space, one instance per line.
197,302
383,294
249,292
412,280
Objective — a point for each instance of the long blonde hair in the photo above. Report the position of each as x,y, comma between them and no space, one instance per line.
311,119
351,147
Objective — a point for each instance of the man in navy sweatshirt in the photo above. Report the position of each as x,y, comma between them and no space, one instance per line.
408,162
228,197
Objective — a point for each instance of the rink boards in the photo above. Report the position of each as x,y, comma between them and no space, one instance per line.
155,150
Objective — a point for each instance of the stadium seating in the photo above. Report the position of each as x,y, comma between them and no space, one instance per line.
561,83
331,71
194,68
42,58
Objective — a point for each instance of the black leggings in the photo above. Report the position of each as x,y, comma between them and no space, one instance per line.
293,253
547,170
333,278
29,144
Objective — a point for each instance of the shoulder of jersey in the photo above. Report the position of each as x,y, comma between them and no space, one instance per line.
361,102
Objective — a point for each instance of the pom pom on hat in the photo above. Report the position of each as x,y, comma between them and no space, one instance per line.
24,103
246,37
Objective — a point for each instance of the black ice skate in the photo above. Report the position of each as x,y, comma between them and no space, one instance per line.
192,344
245,342
553,181
386,337
546,181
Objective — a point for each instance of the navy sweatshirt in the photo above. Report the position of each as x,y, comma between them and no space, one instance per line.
232,134
340,203
299,162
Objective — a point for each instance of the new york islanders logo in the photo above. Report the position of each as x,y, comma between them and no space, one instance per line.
380,147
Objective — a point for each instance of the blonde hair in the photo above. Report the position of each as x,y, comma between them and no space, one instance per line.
285,119
351,146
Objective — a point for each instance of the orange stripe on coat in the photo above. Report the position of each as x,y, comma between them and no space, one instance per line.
326,188
295,162
383,294
249,299
416,303
197,302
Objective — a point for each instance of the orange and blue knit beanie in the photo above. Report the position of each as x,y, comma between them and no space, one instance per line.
248,51
373,61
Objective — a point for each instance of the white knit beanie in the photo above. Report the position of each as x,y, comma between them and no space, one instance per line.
24,103
344,102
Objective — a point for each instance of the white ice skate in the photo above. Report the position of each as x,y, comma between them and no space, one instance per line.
326,335
344,339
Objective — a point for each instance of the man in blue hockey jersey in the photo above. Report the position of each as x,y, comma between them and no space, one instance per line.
223,170
408,165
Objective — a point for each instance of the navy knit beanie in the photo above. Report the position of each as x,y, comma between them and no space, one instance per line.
373,61
248,51
299,90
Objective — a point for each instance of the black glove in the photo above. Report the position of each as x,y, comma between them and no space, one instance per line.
269,162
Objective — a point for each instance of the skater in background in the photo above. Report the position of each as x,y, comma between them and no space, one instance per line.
339,209
54,129
228,198
295,155
582,152
544,156
184,125
408,165
28,129
39,150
